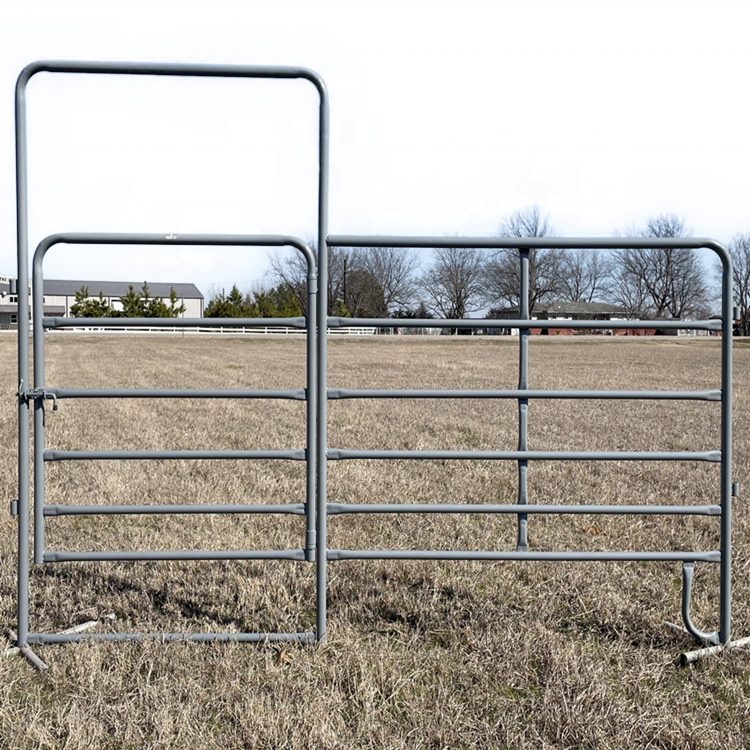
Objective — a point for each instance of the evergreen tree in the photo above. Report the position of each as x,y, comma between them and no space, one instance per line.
86,307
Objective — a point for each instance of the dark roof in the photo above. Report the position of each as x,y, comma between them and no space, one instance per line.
567,308
59,288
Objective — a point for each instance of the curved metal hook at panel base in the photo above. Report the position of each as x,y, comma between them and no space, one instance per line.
687,587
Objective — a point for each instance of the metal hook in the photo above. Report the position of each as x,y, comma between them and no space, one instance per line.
687,587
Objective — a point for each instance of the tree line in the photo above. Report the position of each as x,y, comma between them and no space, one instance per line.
646,283
132,305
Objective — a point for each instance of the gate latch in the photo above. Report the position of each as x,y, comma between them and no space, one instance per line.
32,393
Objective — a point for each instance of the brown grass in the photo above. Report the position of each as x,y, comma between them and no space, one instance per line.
420,654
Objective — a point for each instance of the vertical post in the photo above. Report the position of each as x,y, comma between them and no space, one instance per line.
322,515
37,303
523,403
23,364
725,615
312,407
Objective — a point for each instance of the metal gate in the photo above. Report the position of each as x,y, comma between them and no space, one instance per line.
316,453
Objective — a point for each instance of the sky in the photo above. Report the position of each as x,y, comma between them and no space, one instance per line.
445,117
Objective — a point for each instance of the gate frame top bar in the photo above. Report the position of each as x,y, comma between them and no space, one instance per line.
531,243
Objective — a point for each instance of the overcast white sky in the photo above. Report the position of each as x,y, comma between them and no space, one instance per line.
445,116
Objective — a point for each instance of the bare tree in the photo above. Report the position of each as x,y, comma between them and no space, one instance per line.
664,282
393,270
370,282
290,269
502,275
739,250
584,275
453,284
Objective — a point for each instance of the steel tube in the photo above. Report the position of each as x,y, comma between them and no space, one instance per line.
39,407
230,455
660,325
52,638
348,554
311,415
274,554
22,264
639,510
322,438
60,393
519,243
336,454
297,509
51,322
350,393
725,593
522,544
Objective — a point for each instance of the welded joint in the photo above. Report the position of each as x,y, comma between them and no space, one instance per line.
23,650
687,587
312,284
311,543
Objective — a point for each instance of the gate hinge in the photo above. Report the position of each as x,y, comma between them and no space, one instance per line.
735,489
32,393
14,507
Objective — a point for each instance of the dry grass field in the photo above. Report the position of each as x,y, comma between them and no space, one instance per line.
420,655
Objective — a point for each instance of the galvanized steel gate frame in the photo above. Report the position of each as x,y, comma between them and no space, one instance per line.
316,394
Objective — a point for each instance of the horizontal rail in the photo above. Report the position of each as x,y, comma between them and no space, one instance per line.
516,509
54,322
296,509
55,455
201,637
528,243
297,395
336,454
347,393
663,325
377,554
273,554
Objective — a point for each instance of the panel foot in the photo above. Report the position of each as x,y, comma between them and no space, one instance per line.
687,587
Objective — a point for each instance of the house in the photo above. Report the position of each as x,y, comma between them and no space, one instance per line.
60,295
562,311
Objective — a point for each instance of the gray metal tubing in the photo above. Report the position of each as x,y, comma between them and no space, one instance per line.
311,415
522,544
296,509
349,393
322,422
633,510
49,322
229,455
273,554
52,638
661,325
377,554
22,262
725,595
295,395
159,69
529,243
335,454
